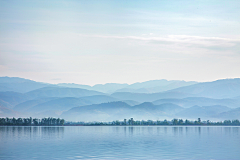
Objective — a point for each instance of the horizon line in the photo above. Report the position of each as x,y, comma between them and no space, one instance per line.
123,83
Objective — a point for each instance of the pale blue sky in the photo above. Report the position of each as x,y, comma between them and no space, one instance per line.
90,42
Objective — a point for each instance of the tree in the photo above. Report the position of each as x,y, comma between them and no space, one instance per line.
58,121
35,121
227,122
199,120
14,121
208,122
54,121
25,121
175,121
7,121
117,122
30,121
235,122
187,122
62,121
165,122
180,121
2,121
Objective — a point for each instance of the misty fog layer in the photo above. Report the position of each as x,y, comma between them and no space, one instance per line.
217,100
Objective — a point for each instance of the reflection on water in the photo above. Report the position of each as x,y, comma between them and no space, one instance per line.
31,132
120,142
236,130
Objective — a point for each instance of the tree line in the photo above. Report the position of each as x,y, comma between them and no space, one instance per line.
57,122
208,122
32,121
151,122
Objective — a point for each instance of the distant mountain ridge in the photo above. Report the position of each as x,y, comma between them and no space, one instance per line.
7,112
224,88
156,99
231,114
155,86
203,112
10,99
120,110
144,97
152,86
21,85
60,103
61,92
200,101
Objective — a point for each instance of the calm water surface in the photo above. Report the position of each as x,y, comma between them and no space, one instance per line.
110,142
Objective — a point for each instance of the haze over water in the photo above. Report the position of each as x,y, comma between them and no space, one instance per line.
111,142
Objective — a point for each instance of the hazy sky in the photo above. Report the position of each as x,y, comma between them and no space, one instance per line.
89,42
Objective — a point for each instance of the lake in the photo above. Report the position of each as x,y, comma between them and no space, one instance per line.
120,142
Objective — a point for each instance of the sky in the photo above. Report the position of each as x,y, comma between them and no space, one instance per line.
96,42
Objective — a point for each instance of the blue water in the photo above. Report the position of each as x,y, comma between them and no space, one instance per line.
110,142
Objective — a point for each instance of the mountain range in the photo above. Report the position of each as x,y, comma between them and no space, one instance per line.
156,99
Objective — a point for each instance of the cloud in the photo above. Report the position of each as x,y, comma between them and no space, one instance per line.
178,39
56,79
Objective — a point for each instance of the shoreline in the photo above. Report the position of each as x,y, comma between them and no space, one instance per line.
124,126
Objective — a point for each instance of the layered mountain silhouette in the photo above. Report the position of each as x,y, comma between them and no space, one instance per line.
61,92
7,112
155,86
119,110
203,112
224,88
152,86
156,99
147,110
231,114
60,103
20,85
144,97
10,99
200,101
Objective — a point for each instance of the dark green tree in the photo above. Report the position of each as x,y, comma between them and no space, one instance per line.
180,122
62,121
165,122
175,121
